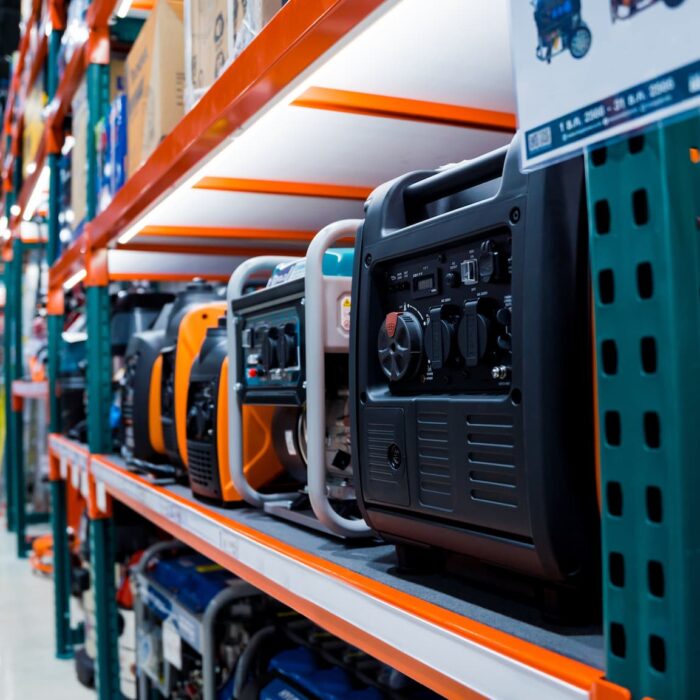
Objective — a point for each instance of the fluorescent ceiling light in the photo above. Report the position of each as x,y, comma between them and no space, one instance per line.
38,193
124,7
75,279
130,233
15,210
31,168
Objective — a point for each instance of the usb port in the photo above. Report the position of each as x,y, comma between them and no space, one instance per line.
469,272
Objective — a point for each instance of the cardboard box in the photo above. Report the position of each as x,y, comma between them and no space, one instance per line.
208,41
155,81
33,127
249,19
78,183
216,31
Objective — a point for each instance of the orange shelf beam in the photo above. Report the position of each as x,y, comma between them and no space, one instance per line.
232,234
370,105
72,259
298,35
228,251
294,189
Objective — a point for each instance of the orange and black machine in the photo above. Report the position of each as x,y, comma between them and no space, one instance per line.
143,439
207,428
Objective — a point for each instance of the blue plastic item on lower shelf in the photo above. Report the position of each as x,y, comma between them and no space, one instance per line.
302,667
192,579
279,690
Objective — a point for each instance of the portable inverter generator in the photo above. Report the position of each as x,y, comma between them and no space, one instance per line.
471,370
178,358
207,427
142,438
288,347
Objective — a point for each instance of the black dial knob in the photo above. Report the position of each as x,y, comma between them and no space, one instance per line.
438,341
400,345
473,334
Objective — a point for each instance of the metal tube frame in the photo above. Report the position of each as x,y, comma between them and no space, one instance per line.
315,318
241,276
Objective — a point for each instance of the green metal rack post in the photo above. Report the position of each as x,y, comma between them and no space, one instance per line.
16,443
99,401
13,321
644,205
59,524
7,376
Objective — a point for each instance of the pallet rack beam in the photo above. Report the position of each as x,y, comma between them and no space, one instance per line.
456,656
644,204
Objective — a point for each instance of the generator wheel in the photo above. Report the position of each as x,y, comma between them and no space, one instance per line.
580,41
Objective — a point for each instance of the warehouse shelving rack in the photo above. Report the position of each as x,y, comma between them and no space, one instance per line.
296,133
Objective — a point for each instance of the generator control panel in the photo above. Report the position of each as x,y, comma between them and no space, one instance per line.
269,331
448,314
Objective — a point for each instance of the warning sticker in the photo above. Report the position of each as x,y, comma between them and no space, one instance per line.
345,308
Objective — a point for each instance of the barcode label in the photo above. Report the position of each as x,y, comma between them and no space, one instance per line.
542,138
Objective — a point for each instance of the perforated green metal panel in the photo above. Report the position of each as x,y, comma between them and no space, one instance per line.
99,370
644,203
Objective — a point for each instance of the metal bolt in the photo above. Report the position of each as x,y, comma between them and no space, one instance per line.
368,259
515,215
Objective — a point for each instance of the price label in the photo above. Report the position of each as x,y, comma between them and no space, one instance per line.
75,475
101,496
584,75
84,489
172,645
228,542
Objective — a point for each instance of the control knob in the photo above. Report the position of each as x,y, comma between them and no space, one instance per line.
400,345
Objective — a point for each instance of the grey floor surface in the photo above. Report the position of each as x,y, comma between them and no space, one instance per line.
29,669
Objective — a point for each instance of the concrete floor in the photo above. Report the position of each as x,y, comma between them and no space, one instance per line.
29,669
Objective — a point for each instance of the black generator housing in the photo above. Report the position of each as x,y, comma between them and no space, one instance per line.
142,352
471,373
202,414
141,355
196,293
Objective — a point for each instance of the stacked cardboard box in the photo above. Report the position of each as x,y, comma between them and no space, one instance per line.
216,31
155,81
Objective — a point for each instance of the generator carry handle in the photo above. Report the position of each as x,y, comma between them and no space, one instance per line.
449,182
315,315
239,279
